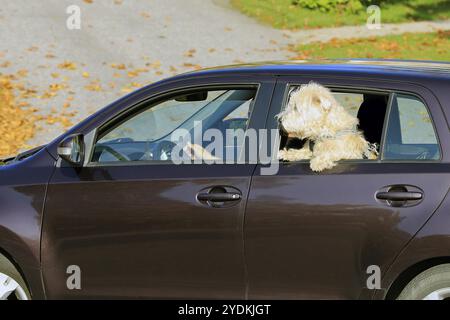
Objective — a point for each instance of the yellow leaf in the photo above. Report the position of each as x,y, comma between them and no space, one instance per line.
18,124
120,66
67,65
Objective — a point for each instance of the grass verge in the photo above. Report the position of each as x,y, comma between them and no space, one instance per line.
284,14
419,46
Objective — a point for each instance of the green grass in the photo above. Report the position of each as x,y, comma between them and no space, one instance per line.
420,46
283,14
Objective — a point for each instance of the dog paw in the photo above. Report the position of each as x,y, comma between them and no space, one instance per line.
373,156
319,165
196,152
282,155
303,154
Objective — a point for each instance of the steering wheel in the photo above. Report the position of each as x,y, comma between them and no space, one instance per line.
164,150
423,155
116,154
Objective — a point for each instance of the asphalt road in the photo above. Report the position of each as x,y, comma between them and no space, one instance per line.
124,44
160,37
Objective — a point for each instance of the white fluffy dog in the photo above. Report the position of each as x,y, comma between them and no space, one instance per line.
314,115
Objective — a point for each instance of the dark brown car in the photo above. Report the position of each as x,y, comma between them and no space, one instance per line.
104,211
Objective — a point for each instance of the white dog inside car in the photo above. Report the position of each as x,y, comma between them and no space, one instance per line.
330,132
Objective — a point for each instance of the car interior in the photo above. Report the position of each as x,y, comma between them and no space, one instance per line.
230,110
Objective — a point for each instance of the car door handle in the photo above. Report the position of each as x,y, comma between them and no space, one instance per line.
399,196
219,197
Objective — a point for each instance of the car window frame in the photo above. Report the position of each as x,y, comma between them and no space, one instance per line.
355,89
386,123
153,100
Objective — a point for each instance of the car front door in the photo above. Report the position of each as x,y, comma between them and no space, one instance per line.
132,223
323,235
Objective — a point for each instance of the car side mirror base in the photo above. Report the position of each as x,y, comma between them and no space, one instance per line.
72,149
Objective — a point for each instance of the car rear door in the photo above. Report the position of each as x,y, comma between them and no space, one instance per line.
141,229
322,235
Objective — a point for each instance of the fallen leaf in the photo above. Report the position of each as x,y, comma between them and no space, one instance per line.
18,124
190,53
67,65
120,66
22,73
5,64
94,86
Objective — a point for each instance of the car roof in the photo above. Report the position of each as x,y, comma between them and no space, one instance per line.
419,68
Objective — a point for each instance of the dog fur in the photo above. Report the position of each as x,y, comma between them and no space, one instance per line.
314,115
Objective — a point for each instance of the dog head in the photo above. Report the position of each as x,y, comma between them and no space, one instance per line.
313,112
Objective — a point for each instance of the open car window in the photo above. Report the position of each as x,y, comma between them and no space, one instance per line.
147,134
398,125
368,107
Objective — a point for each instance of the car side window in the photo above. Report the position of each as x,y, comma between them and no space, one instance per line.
410,133
146,134
369,108
397,125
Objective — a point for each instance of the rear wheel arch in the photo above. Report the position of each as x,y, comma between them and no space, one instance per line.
410,273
